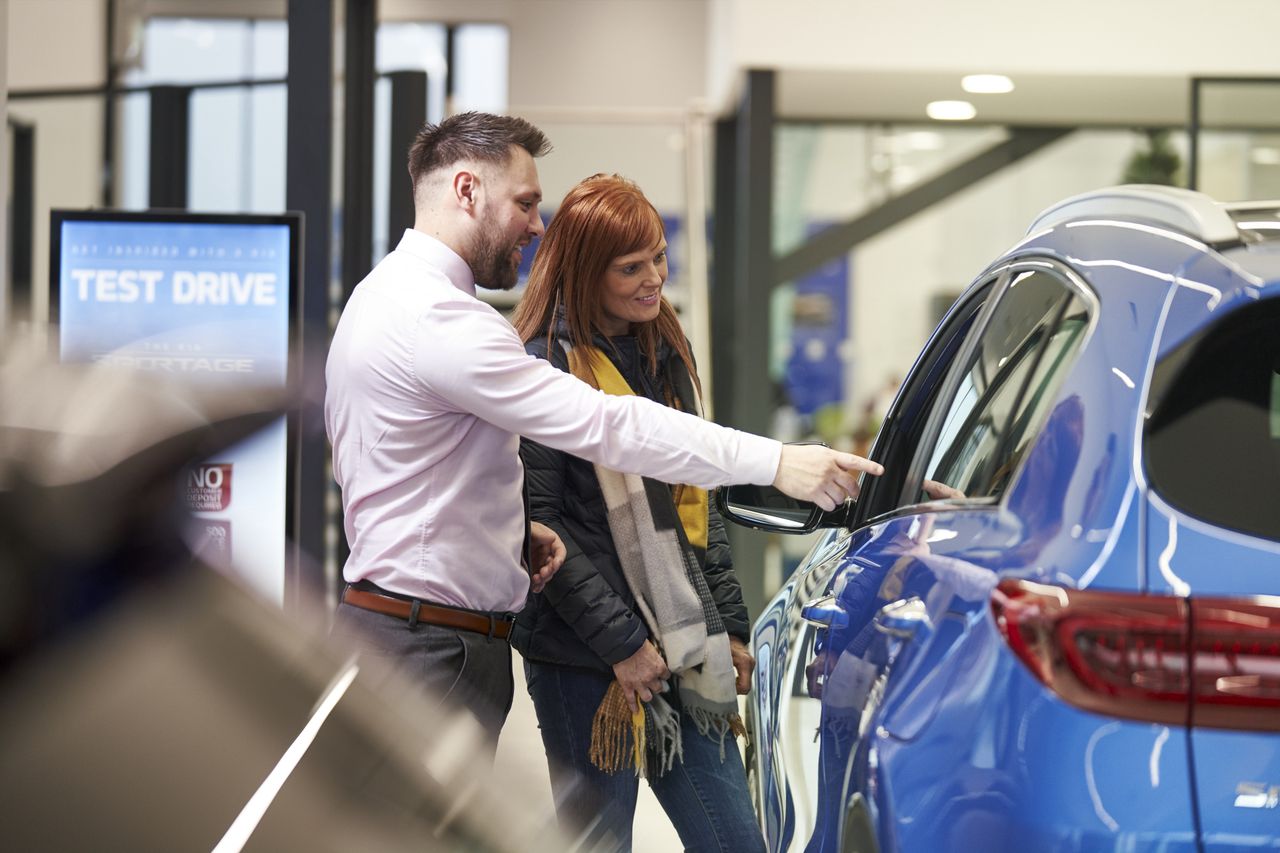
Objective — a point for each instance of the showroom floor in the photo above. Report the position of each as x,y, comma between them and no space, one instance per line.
521,745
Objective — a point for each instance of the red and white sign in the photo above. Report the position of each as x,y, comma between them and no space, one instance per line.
209,487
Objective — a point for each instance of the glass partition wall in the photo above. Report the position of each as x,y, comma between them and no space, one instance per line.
1235,137
845,333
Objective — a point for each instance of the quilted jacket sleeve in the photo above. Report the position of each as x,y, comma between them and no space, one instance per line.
722,580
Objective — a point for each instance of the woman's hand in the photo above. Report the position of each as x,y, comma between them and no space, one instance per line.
642,675
743,663
941,491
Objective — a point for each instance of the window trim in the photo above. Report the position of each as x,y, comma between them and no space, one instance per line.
992,283
1033,346
1006,274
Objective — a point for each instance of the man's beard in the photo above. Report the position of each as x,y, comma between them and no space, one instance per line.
491,261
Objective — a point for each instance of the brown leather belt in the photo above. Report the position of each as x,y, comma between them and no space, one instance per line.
420,611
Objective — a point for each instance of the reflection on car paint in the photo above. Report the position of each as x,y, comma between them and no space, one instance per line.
933,734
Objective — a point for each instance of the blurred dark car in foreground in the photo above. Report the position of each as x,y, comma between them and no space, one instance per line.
1054,623
148,703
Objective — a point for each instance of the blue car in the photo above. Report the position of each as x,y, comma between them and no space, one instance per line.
1054,623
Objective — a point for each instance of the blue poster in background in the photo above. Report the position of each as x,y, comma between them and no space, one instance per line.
201,299
820,324
208,301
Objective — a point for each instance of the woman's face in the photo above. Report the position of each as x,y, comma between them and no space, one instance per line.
632,289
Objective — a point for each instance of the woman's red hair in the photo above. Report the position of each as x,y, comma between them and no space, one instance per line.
602,218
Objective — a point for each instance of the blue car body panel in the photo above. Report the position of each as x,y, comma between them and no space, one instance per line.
1238,783
941,739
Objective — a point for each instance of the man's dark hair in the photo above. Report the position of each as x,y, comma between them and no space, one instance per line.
472,136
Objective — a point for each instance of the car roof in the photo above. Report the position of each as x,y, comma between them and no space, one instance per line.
1222,225
1186,211
1260,262
1247,234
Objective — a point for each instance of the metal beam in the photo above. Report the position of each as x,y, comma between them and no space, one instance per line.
450,68
1193,136
22,217
408,114
309,188
170,131
722,273
357,154
751,398
107,188
837,240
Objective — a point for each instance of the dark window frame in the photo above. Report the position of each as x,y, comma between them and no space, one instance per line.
900,444
910,417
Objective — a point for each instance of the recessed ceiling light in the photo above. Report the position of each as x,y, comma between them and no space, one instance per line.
1265,156
987,84
950,110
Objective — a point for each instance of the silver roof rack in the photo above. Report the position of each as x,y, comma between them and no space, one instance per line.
1185,211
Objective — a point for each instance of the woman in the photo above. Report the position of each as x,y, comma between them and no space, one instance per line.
636,649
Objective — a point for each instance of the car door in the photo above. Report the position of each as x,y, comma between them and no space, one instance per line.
785,711
927,537
781,755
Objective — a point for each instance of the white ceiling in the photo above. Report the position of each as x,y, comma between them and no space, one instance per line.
1037,99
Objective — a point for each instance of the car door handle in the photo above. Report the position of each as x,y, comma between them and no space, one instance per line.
825,613
904,619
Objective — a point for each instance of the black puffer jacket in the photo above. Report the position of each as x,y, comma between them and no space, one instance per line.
586,615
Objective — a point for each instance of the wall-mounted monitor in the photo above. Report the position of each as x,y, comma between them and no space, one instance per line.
210,298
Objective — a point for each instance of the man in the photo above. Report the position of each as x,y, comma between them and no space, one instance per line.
429,390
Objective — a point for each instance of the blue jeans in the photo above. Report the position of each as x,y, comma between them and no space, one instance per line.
706,800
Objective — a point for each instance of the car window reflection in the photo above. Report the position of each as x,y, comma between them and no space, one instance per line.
1002,398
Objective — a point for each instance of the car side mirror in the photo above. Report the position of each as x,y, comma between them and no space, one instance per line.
766,508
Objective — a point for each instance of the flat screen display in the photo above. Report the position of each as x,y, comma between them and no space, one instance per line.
209,298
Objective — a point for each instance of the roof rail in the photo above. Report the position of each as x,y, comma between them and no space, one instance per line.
1186,211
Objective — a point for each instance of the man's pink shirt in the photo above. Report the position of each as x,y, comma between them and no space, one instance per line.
430,389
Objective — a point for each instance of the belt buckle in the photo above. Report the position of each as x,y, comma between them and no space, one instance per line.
505,619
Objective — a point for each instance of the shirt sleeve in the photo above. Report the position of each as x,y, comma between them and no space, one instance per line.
467,355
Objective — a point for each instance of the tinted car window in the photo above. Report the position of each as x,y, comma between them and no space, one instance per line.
1213,440
900,435
1008,385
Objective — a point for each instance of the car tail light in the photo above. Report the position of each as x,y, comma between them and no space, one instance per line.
1206,662
1237,663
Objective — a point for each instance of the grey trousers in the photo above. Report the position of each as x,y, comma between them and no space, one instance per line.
462,669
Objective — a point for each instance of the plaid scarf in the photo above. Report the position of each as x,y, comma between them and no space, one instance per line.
661,539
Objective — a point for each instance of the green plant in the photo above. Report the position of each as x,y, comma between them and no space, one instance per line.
1155,163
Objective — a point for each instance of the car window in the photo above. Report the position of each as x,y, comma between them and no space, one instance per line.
1006,387
900,434
1213,439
